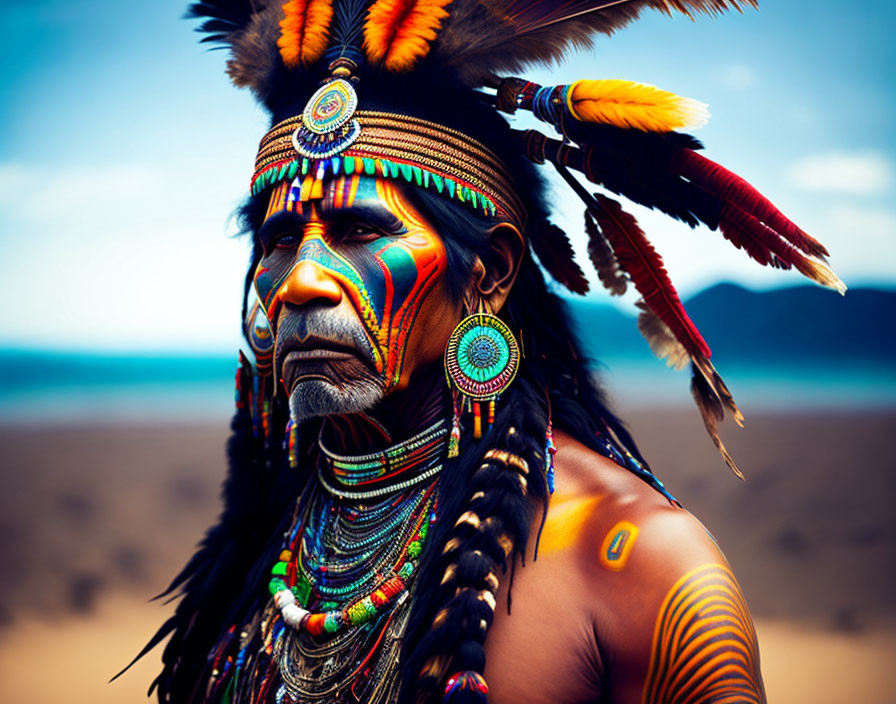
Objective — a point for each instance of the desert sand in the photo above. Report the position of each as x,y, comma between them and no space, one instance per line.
95,519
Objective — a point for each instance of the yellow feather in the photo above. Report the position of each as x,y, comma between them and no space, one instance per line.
633,105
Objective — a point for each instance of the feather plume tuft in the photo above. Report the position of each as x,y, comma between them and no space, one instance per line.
634,105
250,28
555,252
397,33
713,412
304,31
604,259
661,339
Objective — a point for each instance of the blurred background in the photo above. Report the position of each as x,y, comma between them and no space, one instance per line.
123,151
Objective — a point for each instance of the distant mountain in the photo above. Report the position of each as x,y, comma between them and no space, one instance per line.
806,320
804,324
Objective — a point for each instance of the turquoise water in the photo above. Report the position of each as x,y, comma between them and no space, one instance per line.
809,386
53,386
44,386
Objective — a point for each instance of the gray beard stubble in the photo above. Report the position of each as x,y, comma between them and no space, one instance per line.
316,396
319,397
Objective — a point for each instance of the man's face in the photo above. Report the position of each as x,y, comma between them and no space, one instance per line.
354,286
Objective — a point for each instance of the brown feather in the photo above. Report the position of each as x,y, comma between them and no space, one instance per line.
713,412
604,259
717,385
255,54
487,37
661,339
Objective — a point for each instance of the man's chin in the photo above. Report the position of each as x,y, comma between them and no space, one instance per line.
316,397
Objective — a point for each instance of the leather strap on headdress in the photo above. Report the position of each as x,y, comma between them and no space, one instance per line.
390,145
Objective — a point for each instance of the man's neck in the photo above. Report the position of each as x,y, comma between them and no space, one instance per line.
399,416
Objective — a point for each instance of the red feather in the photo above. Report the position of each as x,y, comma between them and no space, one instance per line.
758,240
645,267
767,247
735,190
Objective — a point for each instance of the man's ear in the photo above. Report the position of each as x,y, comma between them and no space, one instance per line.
493,279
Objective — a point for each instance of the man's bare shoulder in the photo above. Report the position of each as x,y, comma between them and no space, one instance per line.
622,527
643,560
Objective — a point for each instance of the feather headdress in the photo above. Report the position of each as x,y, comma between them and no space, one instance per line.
621,136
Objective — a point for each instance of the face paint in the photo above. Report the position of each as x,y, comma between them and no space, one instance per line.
364,238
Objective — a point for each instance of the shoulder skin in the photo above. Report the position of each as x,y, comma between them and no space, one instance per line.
638,604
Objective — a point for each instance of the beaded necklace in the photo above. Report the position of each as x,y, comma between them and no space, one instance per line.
387,471
344,578
365,567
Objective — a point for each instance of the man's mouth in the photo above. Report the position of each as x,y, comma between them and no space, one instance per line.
329,361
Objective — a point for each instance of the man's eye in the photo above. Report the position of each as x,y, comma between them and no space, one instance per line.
361,233
284,241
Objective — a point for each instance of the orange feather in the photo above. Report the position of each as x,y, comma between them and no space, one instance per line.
397,33
304,31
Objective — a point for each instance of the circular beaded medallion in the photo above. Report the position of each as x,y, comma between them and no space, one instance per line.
327,126
331,106
482,357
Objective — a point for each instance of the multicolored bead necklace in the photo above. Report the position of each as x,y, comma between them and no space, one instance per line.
346,570
380,473
323,562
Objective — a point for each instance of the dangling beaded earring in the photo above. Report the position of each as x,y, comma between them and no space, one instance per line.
291,441
481,360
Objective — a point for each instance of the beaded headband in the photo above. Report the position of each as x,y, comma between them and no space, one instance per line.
389,145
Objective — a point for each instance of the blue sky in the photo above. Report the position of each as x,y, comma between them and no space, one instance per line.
123,149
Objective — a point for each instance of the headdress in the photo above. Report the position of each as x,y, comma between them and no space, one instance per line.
382,88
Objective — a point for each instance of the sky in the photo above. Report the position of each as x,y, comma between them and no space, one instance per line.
124,150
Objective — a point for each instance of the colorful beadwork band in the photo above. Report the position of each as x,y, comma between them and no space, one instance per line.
394,146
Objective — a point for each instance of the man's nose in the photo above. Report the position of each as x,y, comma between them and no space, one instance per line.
309,281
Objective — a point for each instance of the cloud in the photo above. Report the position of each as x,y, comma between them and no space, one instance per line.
854,173
738,76
118,256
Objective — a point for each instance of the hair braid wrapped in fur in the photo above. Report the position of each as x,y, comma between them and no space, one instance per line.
481,545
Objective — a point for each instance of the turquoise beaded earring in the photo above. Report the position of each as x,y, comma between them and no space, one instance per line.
481,360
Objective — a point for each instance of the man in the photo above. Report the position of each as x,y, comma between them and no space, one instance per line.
388,536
